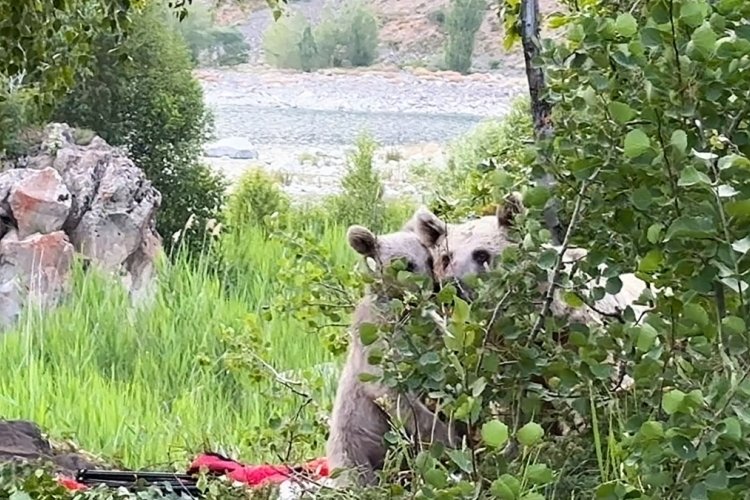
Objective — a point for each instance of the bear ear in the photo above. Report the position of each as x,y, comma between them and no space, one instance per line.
507,212
362,240
427,226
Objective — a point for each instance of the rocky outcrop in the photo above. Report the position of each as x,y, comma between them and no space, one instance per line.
66,198
22,441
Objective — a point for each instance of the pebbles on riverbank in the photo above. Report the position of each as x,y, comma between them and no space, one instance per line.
301,125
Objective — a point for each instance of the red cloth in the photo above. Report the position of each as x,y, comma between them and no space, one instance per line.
252,475
257,475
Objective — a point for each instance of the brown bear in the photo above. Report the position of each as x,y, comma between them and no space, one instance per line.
358,422
470,248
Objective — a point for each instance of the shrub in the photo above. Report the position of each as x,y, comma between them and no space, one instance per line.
154,106
348,36
210,44
361,199
282,41
359,33
256,196
462,22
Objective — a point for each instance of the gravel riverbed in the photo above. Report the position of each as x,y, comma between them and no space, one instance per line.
301,125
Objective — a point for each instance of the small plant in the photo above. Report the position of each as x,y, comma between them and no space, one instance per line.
361,199
462,23
393,154
256,197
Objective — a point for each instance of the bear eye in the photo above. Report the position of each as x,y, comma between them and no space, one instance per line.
430,263
481,256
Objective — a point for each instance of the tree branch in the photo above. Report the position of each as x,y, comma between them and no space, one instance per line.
559,261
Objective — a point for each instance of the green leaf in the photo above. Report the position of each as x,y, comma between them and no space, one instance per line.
691,176
462,459
460,310
647,335
653,234
533,496
739,209
682,447
734,325
704,39
572,299
717,481
368,333
613,286
621,112
626,25
742,246
506,487
477,388
641,198
651,261
536,196
726,191
652,430
530,434
679,141
733,160
672,401
539,474
691,227
696,314
495,433
436,478
693,12
636,143
732,429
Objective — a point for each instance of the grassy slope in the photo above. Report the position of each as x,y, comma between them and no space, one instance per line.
148,386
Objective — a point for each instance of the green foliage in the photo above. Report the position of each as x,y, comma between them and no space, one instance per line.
486,163
462,21
361,197
210,44
256,196
347,36
153,105
43,47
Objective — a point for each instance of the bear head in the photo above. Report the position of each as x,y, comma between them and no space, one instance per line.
468,248
384,249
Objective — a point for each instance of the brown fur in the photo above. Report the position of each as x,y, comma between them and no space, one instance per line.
358,422
471,247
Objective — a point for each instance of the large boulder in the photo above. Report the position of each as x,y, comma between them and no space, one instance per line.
67,196
22,441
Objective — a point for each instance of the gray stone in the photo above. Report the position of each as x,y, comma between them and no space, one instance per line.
232,147
39,264
88,198
40,202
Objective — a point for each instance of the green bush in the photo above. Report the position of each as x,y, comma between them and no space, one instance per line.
154,106
256,196
282,42
346,37
210,44
486,163
462,21
361,197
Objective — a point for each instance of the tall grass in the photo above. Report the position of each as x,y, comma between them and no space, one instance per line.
146,386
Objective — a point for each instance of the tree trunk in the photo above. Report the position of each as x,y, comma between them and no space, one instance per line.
541,111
